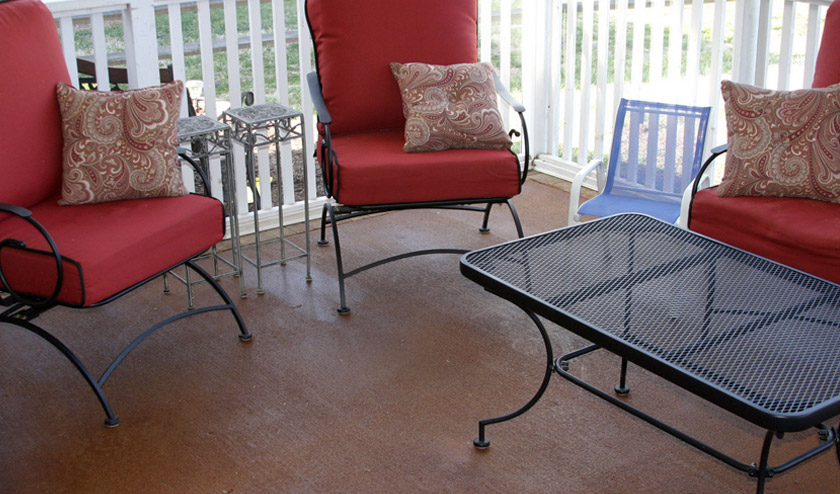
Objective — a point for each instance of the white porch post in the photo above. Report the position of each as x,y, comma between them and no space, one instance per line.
141,44
536,72
747,38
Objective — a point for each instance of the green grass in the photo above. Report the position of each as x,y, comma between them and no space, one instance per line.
189,26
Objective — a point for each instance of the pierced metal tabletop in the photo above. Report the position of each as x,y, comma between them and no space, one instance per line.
752,336
258,114
198,125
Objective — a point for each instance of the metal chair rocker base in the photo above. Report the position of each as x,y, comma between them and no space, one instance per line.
20,315
334,213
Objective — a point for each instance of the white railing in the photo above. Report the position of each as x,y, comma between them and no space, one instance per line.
560,57
676,51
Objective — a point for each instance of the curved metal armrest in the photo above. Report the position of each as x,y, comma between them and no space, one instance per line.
15,210
318,98
520,109
684,220
715,152
574,191
19,244
326,119
505,94
204,179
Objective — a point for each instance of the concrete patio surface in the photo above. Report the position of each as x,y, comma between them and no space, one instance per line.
385,400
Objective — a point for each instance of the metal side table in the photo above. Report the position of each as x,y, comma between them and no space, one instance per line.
749,335
263,126
204,138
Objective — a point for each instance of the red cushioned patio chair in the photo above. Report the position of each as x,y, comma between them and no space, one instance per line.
362,125
799,232
81,255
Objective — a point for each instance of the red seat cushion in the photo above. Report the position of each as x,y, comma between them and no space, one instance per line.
827,70
356,41
110,246
374,169
30,138
801,233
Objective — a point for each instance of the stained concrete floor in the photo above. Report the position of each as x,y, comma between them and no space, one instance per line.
384,400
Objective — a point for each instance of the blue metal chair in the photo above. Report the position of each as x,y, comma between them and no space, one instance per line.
657,150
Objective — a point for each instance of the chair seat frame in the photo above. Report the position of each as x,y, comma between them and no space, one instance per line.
333,213
23,308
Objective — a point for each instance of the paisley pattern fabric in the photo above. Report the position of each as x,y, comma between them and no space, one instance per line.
450,107
121,144
782,143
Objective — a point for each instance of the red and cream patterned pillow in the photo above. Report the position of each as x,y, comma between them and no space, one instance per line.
782,143
121,144
450,107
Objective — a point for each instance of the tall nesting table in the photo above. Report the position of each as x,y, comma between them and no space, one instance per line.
261,126
204,138
751,336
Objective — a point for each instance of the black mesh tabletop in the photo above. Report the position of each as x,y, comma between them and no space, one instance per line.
752,336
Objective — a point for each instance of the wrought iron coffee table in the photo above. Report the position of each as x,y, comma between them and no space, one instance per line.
751,336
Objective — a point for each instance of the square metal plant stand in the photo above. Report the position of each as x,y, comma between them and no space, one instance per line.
266,125
203,138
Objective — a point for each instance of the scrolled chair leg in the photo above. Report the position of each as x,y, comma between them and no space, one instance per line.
342,308
323,239
516,221
111,419
484,224
244,334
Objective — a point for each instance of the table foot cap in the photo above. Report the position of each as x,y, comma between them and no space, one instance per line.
481,443
622,390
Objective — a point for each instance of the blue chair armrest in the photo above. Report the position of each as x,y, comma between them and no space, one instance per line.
574,191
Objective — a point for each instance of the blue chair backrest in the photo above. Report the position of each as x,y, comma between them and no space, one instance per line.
657,149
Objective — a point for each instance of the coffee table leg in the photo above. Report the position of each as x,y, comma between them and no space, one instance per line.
481,442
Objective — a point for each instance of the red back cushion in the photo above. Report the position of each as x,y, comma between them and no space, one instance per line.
827,71
356,41
31,63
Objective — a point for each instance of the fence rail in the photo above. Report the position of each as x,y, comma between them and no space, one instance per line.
568,61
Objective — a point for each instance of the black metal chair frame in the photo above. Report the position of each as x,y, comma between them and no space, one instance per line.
695,186
333,213
23,308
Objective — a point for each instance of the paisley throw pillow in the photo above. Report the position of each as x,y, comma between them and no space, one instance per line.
450,107
782,143
120,144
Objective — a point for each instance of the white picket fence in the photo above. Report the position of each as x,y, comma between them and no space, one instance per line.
559,57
